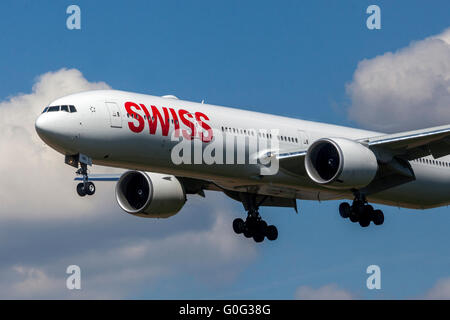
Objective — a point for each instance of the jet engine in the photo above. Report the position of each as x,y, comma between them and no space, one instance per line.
150,195
340,163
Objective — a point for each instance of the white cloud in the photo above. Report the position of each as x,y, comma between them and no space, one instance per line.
440,291
403,90
32,282
326,292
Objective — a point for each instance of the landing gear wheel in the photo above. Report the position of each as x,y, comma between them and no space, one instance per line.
254,226
272,233
258,237
353,216
261,227
378,217
86,187
364,221
366,215
345,210
360,211
260,231
80,190
249,229
238,225
368,209
247,233
90,189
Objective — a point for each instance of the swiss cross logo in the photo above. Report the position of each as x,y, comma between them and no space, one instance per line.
195,124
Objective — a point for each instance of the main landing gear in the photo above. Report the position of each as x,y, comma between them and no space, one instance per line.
254,226
86,187
362,212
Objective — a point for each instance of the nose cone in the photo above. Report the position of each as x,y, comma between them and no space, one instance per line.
42,127
56,132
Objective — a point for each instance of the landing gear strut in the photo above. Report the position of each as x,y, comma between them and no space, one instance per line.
362,212
254,226
86,187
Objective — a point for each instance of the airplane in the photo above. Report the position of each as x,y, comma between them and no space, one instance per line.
293,159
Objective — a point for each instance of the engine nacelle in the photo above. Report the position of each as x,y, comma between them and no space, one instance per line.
150,195
340,163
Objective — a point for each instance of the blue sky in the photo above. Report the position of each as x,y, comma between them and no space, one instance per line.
291,58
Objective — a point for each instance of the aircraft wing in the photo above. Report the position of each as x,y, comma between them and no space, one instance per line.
415,144
410,145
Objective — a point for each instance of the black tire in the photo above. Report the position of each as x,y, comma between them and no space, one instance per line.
238,225
368,209
249,228
272,233
261,227
366,215
354,216
80,190
345,210
247,233
378,217
90,189
258,238
364,222
251,224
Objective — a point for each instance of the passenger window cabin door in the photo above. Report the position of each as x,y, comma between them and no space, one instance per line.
114,114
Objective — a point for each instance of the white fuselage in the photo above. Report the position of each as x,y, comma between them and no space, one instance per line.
109,133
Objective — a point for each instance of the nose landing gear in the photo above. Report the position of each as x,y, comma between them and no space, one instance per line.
86,187
84,190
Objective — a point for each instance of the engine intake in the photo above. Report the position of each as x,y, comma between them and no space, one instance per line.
340,163
150,195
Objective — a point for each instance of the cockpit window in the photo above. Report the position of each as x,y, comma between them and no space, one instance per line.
53,109
64,108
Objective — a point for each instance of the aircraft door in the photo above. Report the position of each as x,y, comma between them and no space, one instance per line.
303,139
114,114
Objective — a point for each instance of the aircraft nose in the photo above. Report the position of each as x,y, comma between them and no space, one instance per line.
56,131
42,127
39,125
